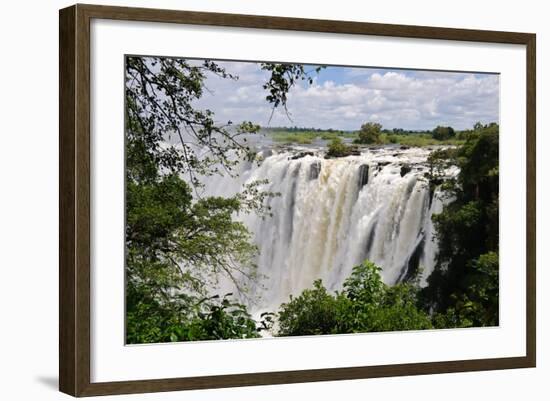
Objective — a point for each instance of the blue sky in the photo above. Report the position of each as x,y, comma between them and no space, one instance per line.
346,97
343,75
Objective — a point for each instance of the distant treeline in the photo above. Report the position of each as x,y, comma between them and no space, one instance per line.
440,132
372,133
304,129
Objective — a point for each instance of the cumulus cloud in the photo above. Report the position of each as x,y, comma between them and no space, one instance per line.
345,97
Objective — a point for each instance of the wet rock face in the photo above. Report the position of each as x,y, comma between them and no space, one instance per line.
405,168
301,155
363,175
380,165
314,170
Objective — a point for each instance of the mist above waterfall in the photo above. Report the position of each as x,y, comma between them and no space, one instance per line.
331,214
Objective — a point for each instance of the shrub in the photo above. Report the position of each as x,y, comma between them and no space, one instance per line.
366,304
369,133
443,133
314,311
337,148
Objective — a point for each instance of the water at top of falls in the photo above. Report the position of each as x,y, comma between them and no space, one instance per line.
334,213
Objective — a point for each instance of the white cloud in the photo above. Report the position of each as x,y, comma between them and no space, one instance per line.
404,99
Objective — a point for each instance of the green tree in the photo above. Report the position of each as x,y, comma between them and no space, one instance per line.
369,133
443,133
179,243
184,318
176,249
337,148
282,78
366,304
478,304
376,306
467,234
313,312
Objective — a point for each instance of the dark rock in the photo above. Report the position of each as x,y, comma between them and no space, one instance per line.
349,153
314,170
363,175
301,154
405,168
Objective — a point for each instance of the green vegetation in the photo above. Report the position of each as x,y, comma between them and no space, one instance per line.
439,136
177,245
369,134
443,133
337,148
366,304
282,77
305,136
372,133
182,318
463,289
417,140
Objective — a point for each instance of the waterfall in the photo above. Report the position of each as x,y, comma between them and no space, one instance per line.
333,214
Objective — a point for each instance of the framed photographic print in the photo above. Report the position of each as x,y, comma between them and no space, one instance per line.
250,200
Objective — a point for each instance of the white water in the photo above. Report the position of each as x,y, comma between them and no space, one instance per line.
333,214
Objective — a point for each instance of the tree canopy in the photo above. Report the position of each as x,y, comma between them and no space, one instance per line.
366,304
337,148
464,285
369,133
442,133
179,244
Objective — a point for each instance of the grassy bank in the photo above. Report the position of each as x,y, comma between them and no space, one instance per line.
417,140
308,137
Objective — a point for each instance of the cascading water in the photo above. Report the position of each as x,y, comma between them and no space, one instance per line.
334,213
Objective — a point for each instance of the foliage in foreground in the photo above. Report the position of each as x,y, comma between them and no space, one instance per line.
166,294
178,243
366,304
185,318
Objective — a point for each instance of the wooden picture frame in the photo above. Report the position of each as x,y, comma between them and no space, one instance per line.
74,203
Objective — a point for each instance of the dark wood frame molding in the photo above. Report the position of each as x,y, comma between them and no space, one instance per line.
74,199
